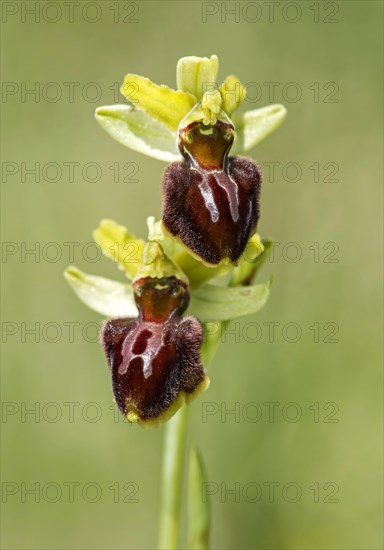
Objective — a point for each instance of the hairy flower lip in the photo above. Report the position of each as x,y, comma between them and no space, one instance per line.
213,213
155,358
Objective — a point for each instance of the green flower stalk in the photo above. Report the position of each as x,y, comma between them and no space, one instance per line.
194,272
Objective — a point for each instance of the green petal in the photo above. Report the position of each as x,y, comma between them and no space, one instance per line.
233,94
107,297
138,131
120,245
160,102
198,508
213,303
196,75
253,126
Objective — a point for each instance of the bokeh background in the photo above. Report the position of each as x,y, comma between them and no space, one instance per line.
320,373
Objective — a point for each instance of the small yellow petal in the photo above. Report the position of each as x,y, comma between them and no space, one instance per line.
120,245
233,93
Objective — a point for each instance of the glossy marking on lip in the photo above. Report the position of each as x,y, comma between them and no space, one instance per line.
145,342
209,199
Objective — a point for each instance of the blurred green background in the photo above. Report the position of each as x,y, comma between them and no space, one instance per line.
325,434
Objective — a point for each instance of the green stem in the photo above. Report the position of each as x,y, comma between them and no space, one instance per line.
172,480
173,457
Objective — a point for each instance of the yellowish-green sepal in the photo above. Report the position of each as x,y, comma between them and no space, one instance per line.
110,298
160,102
137,130
254,126
211,303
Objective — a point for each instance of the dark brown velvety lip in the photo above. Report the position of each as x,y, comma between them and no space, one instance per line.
214,213
155,358
210,200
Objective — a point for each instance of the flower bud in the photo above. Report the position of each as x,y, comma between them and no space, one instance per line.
155,359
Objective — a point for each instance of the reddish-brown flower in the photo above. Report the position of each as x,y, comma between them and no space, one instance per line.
210,199
155,359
